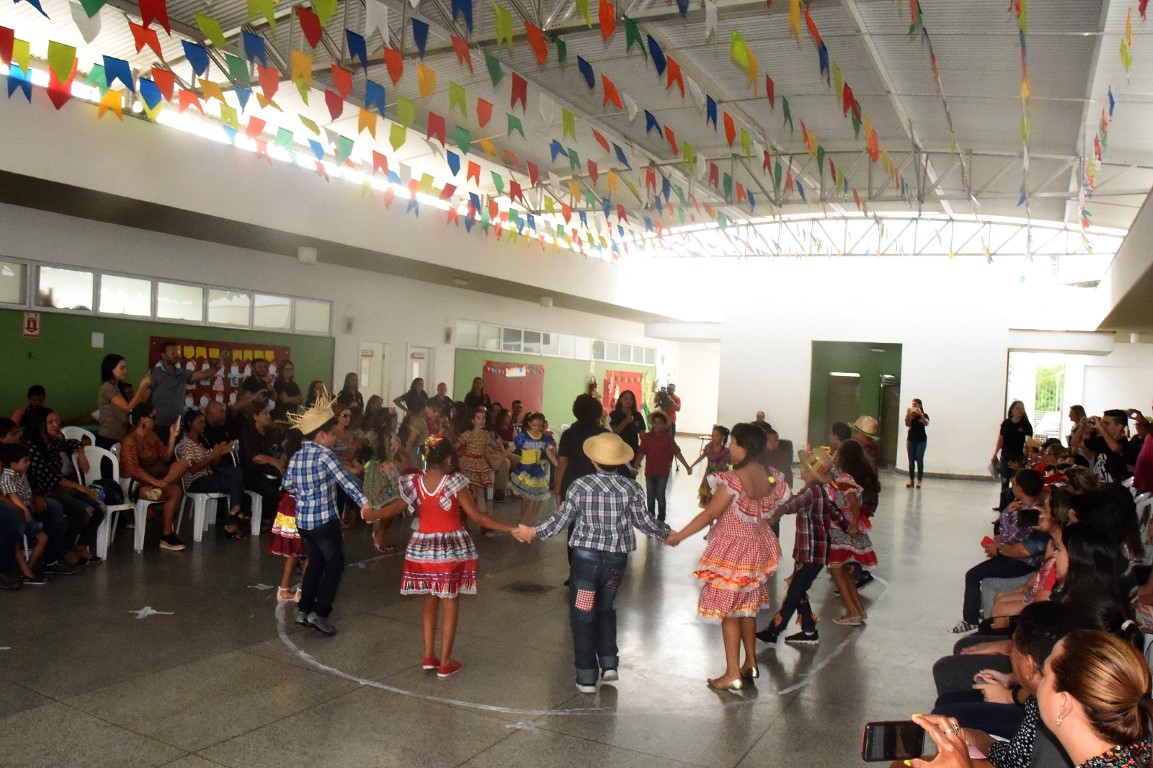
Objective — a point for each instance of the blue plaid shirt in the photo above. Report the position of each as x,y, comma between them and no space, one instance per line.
311,478
606,507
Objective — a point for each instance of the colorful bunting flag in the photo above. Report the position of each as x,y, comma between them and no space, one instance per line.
154,10
608,19
463,8
420,35
536,41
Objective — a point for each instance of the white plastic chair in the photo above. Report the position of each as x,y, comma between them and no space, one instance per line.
256,503
78,433
107,531
200,517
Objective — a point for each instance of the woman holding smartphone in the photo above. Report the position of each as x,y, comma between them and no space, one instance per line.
916,420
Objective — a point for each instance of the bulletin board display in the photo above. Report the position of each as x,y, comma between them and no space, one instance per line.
617,382
236,364
505,382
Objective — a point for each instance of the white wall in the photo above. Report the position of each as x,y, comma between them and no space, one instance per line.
393,310
697,370
1121,379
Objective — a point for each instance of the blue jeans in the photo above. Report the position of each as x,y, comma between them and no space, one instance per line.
797,599
996,567
594,577
656,489
228,480
917,459
82,516
324,547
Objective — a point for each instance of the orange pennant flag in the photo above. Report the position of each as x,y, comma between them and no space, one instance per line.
342,79
425,80
189,99
608,19
210,90
366,122
488,147
255,127
111,101
143,36
536,41
611,94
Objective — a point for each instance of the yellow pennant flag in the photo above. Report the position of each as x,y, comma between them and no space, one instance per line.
549,205
795,17
886,163
1026,92
310,124
153,113
574,188
114,101
397,135
211,90
751,70
488,147
367,122
228,116
425,185
425,80
611,181
301,73
21,53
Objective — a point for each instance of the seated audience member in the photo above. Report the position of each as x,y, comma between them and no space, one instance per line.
262,461
11,540
113,406
223,424
760,421
315,390
778,458
36,396
287,391
16,505
154,469
206,473
1103,440
10,431
1015,551
82,511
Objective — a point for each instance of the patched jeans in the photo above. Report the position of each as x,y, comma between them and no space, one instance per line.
594,577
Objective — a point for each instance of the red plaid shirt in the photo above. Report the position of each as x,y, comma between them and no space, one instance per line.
815,513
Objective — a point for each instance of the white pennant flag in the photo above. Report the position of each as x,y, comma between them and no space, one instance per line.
710,19
376,19
694,91
404,174
630,106
548,111
553,180
700,167
332,136
414,3
89,27
437,149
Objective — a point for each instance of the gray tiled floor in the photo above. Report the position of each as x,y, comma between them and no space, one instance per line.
84,682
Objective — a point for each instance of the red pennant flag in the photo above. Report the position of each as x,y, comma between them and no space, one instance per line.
59,92
730,129
165,80
610,93
389,196
608,19
262,150
393,61
269,80
621,215
320,170
143,36
771,91
255,127
483,111
514,190
874,152
310,25
566,212
536,41
812,27
463,54
672,139
436,128
846,99
154,10
768,162
379,163
342,79
714,175
594,173
1097,147
453,216
788,181
189,99
601,140
494,211
533,173
1141,6
335,104
673,74
519,91
7,40
447,192
740,192
650,178
513,159
473,172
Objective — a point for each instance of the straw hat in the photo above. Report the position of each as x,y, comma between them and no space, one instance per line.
315,417
607,450
867,426
817,461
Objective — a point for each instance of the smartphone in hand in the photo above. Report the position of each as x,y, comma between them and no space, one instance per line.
885,741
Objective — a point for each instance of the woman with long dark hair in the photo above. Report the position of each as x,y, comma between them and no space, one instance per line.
626,421
1015,429
113,409
916,420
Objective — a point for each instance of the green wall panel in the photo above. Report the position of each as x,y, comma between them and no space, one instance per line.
563,379
850,357
63,360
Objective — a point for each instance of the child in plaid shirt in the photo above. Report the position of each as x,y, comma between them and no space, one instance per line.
16,493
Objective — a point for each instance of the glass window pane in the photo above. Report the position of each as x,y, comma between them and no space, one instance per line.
271,311
11,283
598,350
550,344
467,334
180,302
125,296
229,307
489,337
313,316
582,348
567,346
64,289
650,356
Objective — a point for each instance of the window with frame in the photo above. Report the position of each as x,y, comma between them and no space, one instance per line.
175,301
121,295
13,281
60,288
229,307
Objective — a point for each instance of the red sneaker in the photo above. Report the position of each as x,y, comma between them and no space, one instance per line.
429,663
449,669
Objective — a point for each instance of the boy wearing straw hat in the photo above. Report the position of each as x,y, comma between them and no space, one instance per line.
311,478
605,507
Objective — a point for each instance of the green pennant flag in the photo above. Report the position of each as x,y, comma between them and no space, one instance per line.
590,198
92,7
568,124
502,23
746,143
397,136
514,219
97,78
405,111
514,124
457,97
777,173
498,182
60,59
837,82
210,28
262,8
727,186
561,51
632,188
485,218
495,70
463,138
722,220
821,159
633,35
788,114
310,124
856,124
238,70
738,51
574,160
324,9
344,149
681,195
284,138
583,8
689,152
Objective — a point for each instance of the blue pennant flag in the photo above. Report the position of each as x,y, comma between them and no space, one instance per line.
621,156
801,191
473,204
150,92
197,57
413,205
420,35
752,201
469,223
243,95
254,47
357,48
683,7
658,55
556,149
607,206
374,96
648,224
35,4
453,162
586,70
230,132
584,219
823,56
18,78
666,187
317,149
464,8
711,111
651,124
118,69
531,223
